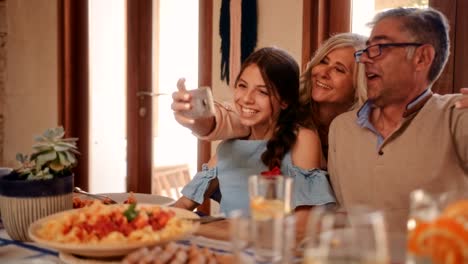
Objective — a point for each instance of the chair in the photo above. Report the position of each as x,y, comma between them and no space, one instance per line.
169,180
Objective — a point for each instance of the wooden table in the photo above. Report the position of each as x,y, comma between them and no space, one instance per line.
215,230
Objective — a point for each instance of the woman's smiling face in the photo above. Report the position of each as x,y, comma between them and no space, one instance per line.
332,78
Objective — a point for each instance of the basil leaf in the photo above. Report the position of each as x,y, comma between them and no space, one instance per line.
131,213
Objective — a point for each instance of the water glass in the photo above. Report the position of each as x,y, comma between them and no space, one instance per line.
245,237
359,236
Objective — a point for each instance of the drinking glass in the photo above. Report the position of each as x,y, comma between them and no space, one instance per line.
244,238
359,236
435,227
270,208
240,234
270,196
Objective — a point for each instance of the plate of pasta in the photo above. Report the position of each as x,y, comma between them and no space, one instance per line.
101,230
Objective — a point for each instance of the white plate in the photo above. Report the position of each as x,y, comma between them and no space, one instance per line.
107,250
141,198
74,259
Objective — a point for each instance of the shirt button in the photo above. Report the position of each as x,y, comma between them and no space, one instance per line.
380,152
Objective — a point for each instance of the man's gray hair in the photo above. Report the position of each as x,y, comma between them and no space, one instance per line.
428,26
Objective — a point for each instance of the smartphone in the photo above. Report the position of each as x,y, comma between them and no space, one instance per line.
202,103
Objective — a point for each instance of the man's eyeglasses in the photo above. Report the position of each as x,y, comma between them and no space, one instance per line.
376,50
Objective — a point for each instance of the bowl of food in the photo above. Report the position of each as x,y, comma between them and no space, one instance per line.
101,230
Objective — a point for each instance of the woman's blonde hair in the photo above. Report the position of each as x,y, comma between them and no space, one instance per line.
341,40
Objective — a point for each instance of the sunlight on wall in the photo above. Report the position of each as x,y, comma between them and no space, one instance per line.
178,57
108,168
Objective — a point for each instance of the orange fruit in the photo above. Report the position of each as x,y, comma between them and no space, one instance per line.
457,210
414,245
445,240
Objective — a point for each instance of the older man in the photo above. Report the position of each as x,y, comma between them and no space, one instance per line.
404,137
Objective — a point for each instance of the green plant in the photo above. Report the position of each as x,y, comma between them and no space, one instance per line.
53,156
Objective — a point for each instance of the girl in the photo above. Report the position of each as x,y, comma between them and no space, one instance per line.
266,96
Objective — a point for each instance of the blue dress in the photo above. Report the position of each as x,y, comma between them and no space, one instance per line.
237,160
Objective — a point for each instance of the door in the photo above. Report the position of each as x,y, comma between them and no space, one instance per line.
132,75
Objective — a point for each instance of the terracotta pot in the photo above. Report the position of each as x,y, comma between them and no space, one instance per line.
23,202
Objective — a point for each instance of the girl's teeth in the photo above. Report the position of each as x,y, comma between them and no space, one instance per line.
248,111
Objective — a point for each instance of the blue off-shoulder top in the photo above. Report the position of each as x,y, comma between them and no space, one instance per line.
237,160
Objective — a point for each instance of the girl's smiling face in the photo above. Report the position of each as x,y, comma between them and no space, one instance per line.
258,108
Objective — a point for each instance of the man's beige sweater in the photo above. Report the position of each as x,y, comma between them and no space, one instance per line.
428,151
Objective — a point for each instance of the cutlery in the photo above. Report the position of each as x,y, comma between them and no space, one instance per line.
206,219
103,198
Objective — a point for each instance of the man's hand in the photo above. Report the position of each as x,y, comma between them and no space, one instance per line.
463,102
181,101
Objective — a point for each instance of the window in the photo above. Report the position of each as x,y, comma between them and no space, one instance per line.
364,10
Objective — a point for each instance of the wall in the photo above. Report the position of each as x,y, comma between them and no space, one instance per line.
30,103
279,24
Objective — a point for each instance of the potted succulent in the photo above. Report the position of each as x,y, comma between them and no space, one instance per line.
41,185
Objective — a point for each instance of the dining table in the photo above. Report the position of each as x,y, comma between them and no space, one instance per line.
213,235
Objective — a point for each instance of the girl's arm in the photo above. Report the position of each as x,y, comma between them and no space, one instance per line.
186,203
306,154
302,218
307,151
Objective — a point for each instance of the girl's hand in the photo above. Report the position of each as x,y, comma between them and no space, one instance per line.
182,101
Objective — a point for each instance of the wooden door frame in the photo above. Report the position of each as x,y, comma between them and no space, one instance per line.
320,20
205,50
73,75
139,79
453,76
